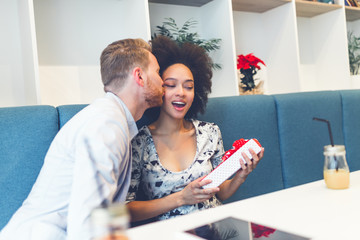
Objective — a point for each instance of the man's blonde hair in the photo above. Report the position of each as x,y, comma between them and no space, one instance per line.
119,58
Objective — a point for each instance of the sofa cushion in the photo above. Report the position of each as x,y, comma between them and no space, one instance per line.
68,111
250,117
26,134
351,127
302,139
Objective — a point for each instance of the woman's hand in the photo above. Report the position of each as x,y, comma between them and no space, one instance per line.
250,165
191,194
194,193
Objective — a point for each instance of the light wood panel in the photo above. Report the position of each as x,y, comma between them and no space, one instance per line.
312,9
352,13
258,6
193,3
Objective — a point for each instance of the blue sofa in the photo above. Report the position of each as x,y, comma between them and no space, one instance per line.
282,123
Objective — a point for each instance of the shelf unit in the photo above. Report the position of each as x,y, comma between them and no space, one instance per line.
71,36
214,21
298,35
50,49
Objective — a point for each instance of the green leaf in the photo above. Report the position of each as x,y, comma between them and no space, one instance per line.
181,35
354,52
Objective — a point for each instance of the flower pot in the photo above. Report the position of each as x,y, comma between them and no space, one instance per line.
259,89
355,81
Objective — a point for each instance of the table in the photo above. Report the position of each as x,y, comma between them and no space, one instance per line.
311,210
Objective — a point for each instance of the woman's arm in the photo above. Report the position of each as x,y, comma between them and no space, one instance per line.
229,187
191,194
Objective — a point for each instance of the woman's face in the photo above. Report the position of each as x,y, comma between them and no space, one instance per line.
179,90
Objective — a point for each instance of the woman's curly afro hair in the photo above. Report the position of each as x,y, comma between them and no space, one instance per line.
168,53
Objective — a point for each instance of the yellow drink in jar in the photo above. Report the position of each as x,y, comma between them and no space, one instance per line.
337,179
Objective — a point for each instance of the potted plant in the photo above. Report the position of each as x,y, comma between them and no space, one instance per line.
183,34
248,65
354,53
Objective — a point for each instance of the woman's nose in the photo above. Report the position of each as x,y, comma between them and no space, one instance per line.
180,91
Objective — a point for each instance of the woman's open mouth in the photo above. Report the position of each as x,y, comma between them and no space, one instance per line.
179,105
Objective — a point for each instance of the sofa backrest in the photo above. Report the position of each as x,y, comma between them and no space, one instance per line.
250,117
301,138
282,123
66,112
238,117
25,136
351,126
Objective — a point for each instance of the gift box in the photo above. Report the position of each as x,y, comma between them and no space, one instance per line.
231,162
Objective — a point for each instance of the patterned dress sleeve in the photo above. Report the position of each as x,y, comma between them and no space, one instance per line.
138,146
219,147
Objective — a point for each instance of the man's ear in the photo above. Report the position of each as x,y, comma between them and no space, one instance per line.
138,76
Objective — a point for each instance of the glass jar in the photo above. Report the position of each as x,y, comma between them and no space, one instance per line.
110,222
336,170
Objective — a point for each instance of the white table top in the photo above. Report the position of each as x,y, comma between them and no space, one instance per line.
310,210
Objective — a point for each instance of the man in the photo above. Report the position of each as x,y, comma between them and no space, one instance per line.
88,163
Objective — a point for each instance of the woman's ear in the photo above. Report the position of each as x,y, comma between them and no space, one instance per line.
138,76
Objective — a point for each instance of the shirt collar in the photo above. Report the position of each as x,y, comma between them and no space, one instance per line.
133,130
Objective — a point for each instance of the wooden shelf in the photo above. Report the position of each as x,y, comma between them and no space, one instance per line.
311,9
192,3
352,13
258,6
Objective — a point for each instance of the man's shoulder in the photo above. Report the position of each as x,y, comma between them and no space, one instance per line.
100,114
102,109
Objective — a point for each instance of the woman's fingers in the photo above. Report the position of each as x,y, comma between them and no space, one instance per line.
200,183
197,185
194,193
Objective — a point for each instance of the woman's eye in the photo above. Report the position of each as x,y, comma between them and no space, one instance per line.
189,87
168,85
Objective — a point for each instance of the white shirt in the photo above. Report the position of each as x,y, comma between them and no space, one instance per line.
87,163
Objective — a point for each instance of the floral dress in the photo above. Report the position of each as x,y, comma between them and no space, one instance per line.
153,181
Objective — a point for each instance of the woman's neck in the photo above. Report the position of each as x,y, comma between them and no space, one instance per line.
166,125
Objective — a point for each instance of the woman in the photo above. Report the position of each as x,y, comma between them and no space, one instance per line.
171,155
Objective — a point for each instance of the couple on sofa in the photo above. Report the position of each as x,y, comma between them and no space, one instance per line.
89,162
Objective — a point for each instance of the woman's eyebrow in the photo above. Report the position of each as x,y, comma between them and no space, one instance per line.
169,79
189,80
174,79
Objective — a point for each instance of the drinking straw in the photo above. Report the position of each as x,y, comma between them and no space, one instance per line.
330,134
329,128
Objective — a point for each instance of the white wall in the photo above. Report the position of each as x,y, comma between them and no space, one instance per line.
71,36
323,52
18,59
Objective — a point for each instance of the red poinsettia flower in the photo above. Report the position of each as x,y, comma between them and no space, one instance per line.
245,62
261,231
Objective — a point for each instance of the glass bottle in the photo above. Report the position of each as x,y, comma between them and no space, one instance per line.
336,170
110,222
